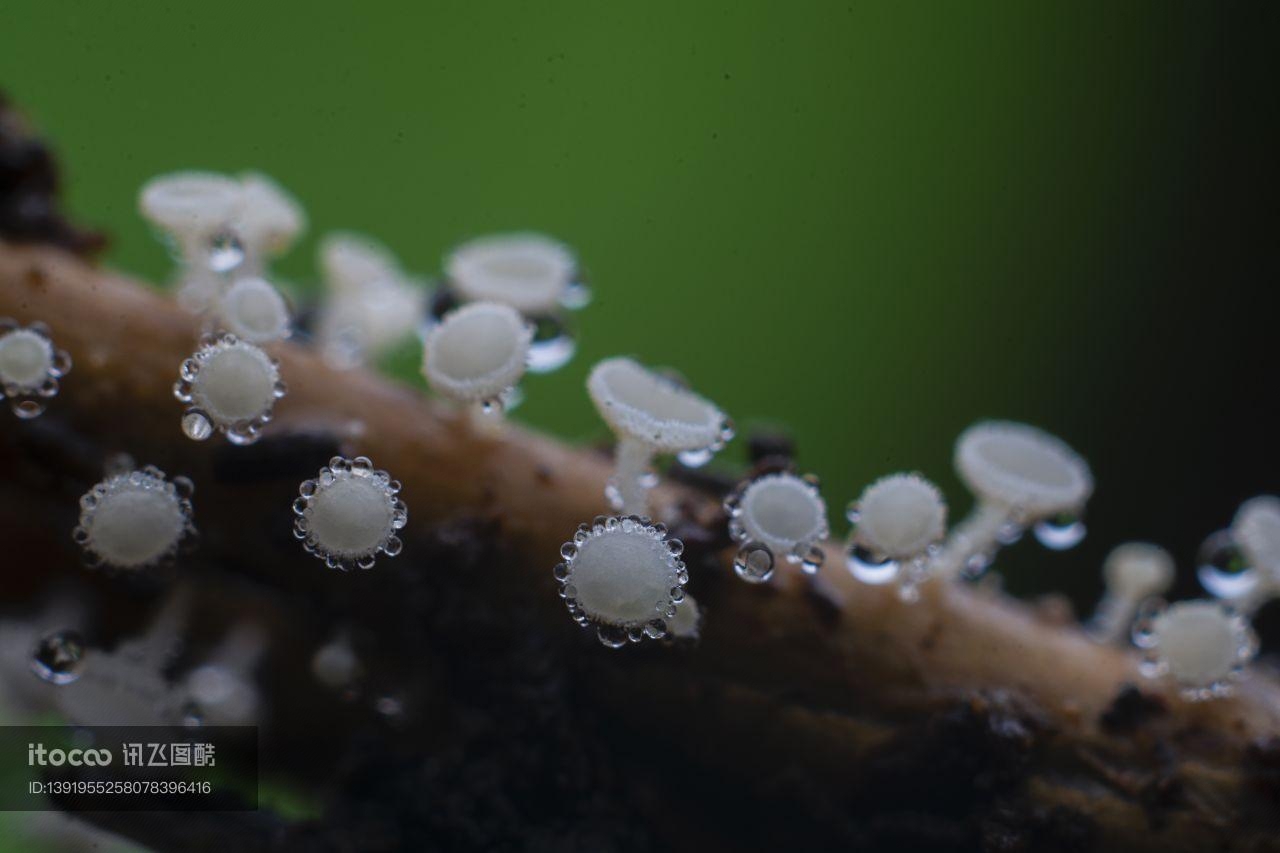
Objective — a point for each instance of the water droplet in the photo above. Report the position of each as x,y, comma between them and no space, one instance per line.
695,458
27,409
59,658
225,252
612,636
754,562
552,346
873,569
1060,532
196,425
812,560
1223,569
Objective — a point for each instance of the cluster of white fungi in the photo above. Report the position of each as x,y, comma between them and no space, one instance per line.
501,309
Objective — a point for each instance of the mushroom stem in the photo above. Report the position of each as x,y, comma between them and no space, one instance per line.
977,536
1112,619
633,459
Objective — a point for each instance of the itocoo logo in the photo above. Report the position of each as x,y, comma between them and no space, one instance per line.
38,755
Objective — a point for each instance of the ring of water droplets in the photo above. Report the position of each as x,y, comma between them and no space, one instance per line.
349,514
229,386
623,576
30,367
1203,646
135,519
778,515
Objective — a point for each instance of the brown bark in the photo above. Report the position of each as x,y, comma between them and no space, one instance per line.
862,696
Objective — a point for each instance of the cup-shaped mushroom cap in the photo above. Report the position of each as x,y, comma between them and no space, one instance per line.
252,309
191,203
134,519
350,513
1256,529
269,217
352,262
651,409
627,574
1201,642
1136,570
477,352
1021,467
784,512
236,382
529,272
26,359
900,516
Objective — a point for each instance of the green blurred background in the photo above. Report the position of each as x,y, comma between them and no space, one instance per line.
873,223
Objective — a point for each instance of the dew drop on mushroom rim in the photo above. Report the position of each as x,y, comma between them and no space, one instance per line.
30,367
622,576
650,414
349,514
777,516
134,519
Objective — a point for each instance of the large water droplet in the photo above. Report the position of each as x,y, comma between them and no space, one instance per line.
753,562
695,458
225,252
552,346
1222,568
1060,532
870,568
59,658
196,425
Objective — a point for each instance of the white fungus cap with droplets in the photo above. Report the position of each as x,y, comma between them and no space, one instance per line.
236,383
352,516
269,216
622,577
137,519
26,359
639,404
783,512
529,272
477,352
1136,570
1256,529
900,516
1199,641
191,203
1021,467
253,310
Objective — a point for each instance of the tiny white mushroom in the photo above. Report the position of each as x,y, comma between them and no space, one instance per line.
30,367
897,524
477,355
199,211
370,304
221,690
230,386
134,519
650,414
335,664
1020,476
686,625
349,514
254,311
622,576
268,223
777,516
1202,646
532,273
1134,572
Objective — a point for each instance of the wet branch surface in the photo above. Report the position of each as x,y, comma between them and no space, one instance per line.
814,713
